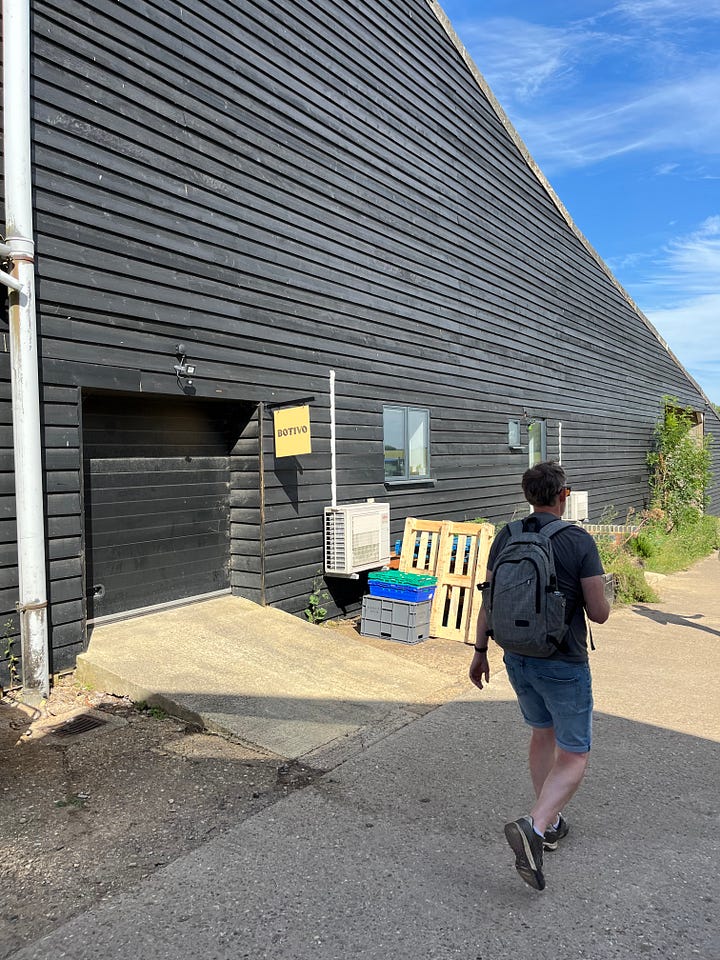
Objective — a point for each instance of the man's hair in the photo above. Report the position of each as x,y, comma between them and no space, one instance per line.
542,483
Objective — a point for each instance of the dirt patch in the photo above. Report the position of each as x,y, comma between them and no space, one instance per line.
87,814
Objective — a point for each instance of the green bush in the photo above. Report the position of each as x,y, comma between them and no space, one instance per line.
630,583
648,542
682,546
656,549
679,465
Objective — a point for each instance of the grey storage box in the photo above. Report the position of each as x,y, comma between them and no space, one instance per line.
398,620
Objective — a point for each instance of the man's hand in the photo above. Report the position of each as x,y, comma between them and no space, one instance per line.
479,669
596,603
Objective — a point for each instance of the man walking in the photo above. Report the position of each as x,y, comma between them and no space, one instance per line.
554,692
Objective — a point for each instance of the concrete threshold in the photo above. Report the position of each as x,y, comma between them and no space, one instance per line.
257,674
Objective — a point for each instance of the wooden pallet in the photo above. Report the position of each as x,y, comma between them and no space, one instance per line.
420,544
457,554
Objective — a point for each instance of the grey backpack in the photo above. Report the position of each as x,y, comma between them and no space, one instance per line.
524,608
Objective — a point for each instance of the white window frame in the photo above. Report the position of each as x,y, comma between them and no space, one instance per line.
406,476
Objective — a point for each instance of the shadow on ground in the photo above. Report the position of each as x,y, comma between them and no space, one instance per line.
674,619
411,828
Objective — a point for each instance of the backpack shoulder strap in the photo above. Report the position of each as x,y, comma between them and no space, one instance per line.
514,528
550,529
555,526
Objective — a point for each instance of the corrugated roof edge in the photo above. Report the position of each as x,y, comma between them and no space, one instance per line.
518,141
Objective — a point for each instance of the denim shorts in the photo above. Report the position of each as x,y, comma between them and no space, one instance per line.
557,694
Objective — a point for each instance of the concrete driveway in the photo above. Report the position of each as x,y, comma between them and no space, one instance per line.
398,852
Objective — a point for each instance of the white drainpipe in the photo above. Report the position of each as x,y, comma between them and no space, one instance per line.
560,442
30,508
333,443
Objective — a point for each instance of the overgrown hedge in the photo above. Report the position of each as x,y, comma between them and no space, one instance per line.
657,549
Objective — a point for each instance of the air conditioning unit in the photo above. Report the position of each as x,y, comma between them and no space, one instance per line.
357,537
576,507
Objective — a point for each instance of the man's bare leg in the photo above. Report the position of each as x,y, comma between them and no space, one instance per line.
561,782
541,756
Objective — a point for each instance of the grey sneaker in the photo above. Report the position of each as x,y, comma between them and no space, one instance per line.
554,834
528,849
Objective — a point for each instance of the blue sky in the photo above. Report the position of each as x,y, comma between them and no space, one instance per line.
619,104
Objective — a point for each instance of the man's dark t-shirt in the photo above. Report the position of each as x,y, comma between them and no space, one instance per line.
576,557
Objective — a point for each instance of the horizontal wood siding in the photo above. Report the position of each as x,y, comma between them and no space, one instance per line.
59,425
66,550
246,538
291,189
712,429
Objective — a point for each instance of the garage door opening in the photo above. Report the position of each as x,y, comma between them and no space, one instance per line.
157,482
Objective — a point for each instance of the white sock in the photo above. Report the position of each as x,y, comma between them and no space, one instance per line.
537,831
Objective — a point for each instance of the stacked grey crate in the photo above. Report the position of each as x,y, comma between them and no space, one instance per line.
386,614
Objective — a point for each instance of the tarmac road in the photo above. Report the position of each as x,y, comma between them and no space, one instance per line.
399,851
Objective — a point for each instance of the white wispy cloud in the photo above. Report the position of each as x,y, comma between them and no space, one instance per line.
662,11
682,287
678,115
665,169
690,330
651,93
521,59
691,263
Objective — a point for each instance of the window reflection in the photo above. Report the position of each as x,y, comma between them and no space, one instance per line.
406,442
394,442
537,442
418,443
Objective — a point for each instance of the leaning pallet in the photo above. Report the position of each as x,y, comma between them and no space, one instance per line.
461,566
420,543
457,554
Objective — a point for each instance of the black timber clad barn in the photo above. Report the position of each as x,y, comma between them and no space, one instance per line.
290,189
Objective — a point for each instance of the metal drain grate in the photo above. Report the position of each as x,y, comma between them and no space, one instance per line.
80,724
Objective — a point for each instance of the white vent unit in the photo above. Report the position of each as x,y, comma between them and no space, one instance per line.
357,537
576,508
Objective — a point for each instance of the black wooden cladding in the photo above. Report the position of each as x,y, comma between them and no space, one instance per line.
290,189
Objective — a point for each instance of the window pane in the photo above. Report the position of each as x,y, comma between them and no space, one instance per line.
419,453
536,442
394,441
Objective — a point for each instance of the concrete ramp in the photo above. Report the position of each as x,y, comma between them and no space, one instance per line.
259,675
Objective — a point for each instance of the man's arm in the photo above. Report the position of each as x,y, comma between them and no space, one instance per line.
480,668
596,603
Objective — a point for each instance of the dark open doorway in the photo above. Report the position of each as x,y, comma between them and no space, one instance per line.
157,486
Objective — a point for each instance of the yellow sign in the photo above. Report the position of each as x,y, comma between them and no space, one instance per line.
291,426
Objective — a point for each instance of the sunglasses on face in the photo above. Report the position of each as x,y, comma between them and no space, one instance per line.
567,490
